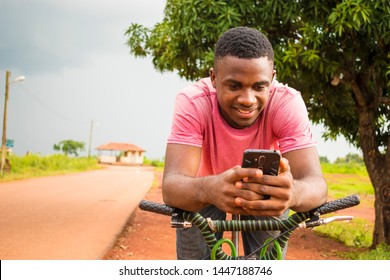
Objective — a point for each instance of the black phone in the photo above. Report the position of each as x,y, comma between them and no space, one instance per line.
266,160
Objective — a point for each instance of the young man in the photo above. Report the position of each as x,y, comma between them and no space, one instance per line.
240,106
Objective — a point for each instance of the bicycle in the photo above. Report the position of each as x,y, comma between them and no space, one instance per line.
183,219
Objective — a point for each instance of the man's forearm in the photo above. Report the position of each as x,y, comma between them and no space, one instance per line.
309,193
187,193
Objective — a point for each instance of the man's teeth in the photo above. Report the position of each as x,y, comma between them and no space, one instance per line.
245,111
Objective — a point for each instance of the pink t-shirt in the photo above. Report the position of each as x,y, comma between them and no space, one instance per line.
282,125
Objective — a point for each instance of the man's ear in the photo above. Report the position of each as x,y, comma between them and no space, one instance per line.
213,77
273,75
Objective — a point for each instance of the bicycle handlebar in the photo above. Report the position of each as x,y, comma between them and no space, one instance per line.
338,204
156,207
181,218
328,207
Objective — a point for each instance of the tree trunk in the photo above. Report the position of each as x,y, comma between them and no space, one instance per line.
377,167
382,214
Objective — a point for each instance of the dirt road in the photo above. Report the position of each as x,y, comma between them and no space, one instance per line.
75,216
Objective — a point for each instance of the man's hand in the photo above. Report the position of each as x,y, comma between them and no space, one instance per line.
279,188
224,192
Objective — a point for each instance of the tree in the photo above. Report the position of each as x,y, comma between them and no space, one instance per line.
324,159
69,147
337,53
350,158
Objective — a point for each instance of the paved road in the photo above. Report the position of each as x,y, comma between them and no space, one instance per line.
70,217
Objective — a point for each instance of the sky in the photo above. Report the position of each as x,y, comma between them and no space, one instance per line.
80,75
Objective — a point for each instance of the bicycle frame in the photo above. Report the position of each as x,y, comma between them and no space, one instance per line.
182,219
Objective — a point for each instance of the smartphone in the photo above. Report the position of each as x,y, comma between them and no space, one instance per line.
266,160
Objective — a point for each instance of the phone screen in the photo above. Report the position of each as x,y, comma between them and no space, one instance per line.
266,160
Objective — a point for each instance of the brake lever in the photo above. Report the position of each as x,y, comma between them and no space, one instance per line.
177,221
321,221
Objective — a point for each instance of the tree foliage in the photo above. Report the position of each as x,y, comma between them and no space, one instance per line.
70,147
337,53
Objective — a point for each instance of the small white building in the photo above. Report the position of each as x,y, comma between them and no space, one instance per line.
120,153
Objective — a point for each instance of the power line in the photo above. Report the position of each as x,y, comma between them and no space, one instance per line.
30,94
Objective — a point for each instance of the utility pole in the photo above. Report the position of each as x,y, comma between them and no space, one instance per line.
90,136
4,138
90,139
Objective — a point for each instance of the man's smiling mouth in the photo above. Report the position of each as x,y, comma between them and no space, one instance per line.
246,111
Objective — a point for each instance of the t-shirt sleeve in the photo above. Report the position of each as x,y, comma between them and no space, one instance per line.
292,125
186,125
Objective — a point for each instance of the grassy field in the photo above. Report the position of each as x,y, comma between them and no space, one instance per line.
33,165
346,179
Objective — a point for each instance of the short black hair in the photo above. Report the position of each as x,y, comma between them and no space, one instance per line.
243,42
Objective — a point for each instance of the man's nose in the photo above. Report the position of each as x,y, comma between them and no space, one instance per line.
247,97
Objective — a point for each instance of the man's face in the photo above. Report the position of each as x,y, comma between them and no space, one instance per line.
243,87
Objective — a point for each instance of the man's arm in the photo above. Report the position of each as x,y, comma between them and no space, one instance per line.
182,189
310,189
179,187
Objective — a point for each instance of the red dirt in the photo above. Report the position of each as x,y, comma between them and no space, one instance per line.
148,236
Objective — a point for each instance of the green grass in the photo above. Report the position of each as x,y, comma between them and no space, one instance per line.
356,233
382,252
154,162
341,185
345,179
344,168
34,165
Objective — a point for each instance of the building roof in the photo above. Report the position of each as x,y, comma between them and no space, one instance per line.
114,146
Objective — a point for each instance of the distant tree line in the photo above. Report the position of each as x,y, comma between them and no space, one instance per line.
349,158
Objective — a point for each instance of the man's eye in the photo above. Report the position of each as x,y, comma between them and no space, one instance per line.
258,87
234,86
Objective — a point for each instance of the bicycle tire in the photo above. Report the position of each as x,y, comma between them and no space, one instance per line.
338,204
155,207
